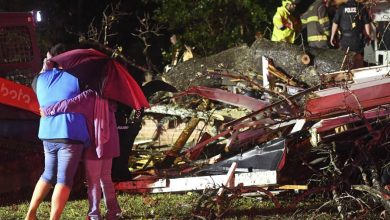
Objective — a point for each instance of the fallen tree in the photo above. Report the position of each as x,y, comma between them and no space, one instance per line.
248,61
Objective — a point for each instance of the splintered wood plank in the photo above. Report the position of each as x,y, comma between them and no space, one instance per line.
261,178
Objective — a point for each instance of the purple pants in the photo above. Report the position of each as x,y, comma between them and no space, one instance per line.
98,173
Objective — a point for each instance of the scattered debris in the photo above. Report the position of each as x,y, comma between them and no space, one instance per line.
286,134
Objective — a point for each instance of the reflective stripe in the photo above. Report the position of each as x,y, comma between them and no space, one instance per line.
312,19
317,38
315,19
324,20
327,33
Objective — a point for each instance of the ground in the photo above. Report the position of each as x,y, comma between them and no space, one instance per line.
186,206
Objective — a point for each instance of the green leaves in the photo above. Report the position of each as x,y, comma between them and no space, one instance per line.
215,25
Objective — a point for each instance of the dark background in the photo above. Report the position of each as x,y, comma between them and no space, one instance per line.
66,20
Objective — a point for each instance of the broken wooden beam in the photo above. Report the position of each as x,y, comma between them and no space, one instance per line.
282,76
173,153
292,187
261,178
229,182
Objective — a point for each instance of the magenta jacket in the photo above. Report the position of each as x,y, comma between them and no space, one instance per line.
87,103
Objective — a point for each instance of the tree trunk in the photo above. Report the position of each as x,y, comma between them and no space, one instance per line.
247,60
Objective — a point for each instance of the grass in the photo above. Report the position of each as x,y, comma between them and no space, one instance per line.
161,206
164,206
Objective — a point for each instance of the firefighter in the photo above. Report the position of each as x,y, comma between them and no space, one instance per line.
285,24
353,21
317,22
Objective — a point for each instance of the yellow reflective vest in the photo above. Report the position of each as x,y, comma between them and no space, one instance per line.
285,26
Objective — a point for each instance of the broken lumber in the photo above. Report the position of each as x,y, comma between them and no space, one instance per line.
173,153
261,178
229,182
282,76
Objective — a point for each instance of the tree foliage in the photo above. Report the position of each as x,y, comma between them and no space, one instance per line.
209,26
214,25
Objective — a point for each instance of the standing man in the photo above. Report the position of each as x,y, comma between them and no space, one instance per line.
353,21
285,24
317,22
64,137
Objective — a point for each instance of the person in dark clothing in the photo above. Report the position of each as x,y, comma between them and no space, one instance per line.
353,21
316,21
128,126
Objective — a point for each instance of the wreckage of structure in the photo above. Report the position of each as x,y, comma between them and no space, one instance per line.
277,137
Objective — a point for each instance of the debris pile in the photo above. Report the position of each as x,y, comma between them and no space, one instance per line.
252,122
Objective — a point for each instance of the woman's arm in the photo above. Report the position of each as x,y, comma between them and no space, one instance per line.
82,103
